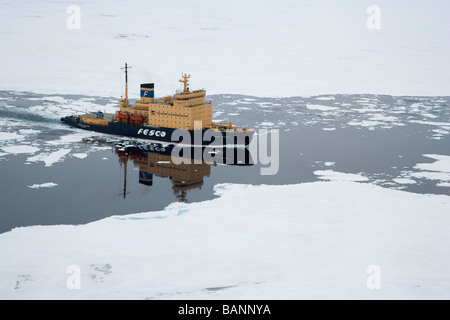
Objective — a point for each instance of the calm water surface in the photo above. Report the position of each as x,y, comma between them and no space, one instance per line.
379,137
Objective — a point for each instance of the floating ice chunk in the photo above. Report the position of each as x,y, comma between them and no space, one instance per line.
267,124
404,181
264,104
366,123
56,157
80,155
443,184
43,185
29,131
440,132
381,117
441,165
438,170
320,107
50,159
20,149
339,176
428,115
328,129
10,136
366,110
445,125
329,164
327,98
442,176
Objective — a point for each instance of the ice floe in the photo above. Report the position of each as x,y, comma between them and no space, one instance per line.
10,136
404,181
20,149
43,185
331,175
80,155
310,241
438,170
50,158
442,163
320,107
326,98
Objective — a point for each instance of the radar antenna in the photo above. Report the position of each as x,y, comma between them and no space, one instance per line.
185,82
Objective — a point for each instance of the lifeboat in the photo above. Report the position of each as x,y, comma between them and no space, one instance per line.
136,118
123,115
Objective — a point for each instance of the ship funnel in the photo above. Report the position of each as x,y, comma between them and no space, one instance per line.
147,92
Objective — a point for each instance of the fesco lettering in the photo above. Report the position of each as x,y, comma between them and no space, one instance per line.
148,132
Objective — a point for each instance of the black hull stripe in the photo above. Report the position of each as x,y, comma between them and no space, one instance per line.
132,132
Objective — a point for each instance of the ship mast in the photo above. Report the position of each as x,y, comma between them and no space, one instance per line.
123,160
185,81
125,180
126,83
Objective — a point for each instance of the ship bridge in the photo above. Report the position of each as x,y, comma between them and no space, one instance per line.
179,111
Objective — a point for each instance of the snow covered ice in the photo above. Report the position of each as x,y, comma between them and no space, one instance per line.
251,47
295,64
313,240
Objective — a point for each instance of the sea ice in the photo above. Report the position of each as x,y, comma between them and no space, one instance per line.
320,107
404,181
51,158
339,176
310,241
20,149
10,136
43,185
80,155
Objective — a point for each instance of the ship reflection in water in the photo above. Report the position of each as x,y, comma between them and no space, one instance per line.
185,166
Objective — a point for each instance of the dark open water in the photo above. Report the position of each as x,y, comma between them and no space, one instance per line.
381,138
